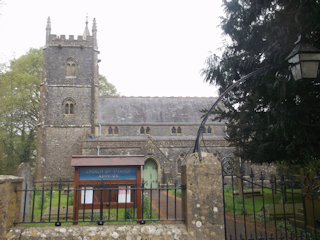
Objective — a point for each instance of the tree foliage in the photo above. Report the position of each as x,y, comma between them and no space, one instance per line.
271,117
106,88
19,93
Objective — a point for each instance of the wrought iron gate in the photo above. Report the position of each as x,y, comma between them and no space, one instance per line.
259,205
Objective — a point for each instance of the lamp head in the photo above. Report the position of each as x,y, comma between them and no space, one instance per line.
304,60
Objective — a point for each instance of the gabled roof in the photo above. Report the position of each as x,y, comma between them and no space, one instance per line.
128,110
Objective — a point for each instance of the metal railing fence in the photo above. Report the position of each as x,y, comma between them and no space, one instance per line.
277,207
61,202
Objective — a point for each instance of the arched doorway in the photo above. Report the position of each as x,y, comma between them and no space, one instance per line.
150,173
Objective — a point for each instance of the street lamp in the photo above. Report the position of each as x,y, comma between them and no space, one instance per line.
304,60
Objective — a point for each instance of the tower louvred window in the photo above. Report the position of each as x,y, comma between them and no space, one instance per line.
71,68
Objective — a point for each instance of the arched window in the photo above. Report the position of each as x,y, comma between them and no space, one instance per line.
209,130
145,130
176,130
113,130
116,130
71,68
66,108
69,106
179,166
204,130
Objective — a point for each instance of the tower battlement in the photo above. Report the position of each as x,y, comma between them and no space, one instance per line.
71,40
86,40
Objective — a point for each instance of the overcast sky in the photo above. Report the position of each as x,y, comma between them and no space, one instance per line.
147,47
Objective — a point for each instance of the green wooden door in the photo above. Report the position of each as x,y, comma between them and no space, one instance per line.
150,174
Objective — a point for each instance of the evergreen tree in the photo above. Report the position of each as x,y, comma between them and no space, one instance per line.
271,117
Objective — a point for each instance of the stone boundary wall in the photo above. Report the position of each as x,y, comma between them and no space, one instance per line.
202,207
10,201
119,232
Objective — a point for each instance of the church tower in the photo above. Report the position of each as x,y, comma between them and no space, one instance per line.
68,100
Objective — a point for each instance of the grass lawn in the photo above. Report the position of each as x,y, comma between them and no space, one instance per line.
40,211
178,192
255,204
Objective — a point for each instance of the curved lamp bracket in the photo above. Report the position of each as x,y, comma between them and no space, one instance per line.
205,118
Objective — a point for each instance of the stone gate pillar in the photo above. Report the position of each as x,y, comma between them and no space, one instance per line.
202,199
9,202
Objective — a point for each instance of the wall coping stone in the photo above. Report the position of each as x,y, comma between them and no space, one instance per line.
120,232
10,178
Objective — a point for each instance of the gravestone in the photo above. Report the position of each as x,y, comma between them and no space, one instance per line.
24,171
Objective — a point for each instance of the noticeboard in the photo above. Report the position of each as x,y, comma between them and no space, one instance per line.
107,173
107,182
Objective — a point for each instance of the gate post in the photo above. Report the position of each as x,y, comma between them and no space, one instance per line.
202,201
10,201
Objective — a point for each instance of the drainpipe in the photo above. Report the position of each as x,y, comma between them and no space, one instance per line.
98,149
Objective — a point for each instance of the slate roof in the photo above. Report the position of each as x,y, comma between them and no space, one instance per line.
126,110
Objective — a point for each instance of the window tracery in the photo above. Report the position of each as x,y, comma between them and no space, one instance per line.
176,130
145,130
69,106
113,130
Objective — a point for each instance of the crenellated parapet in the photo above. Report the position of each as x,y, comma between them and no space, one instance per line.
86,40
71,40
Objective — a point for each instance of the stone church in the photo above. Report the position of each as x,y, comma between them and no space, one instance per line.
74,120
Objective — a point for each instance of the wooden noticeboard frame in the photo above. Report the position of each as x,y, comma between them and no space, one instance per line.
120,172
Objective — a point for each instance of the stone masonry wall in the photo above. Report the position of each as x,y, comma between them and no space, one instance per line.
119,232
59,145
165,151
9,202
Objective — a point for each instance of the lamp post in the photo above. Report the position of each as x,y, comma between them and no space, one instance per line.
304,63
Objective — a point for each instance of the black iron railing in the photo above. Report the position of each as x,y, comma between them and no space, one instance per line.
258,206
61,202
